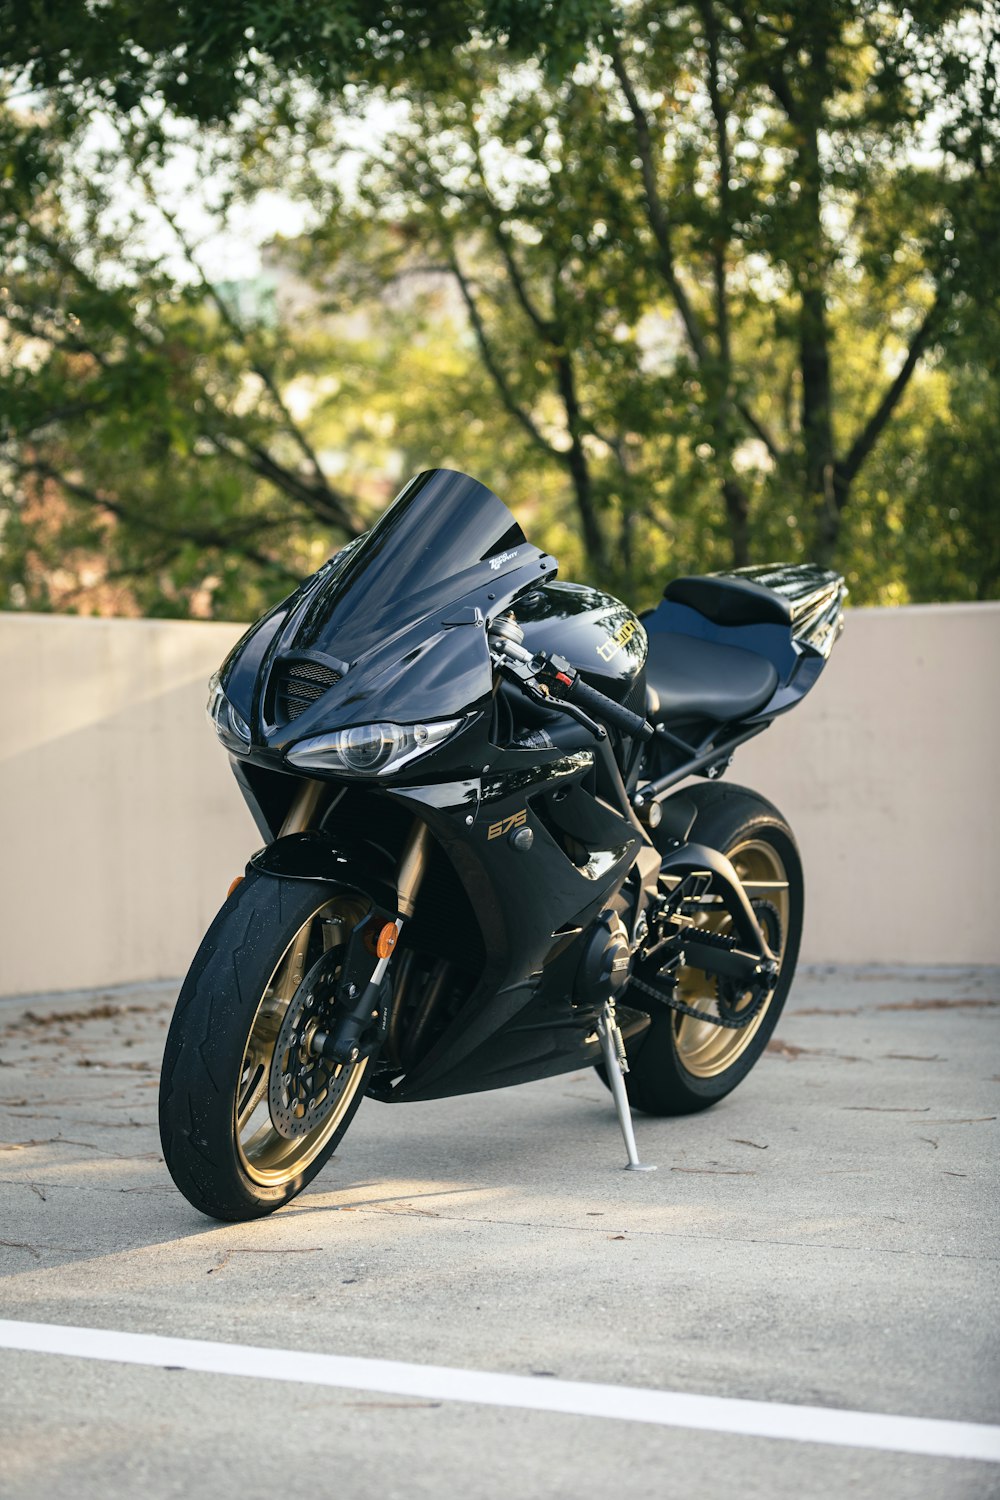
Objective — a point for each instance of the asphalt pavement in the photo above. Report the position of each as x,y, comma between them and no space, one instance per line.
826,1237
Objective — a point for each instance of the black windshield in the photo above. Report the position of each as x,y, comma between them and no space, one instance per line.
442,523
415,557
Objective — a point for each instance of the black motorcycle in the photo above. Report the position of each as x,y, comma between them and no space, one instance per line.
476,869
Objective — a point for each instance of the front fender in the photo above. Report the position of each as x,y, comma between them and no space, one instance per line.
350,864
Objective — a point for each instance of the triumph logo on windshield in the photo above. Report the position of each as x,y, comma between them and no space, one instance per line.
496,563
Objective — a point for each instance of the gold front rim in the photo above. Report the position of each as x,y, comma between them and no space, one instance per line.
268,1157
704,1049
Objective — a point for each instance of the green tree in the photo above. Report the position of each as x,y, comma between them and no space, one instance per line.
717,273
134,399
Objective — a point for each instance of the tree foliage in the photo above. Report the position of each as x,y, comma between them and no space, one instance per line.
690,286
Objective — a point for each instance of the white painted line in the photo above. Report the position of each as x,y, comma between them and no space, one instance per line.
803,1424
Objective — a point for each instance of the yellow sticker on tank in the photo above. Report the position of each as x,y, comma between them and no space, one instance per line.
610,648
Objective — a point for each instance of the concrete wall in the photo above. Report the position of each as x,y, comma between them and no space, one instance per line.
888,772
122,826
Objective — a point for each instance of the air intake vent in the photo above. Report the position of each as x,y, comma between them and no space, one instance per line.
299,684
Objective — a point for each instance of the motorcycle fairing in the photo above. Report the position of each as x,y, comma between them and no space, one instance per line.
397,618
520,1022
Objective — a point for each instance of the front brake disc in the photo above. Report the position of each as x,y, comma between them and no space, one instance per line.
303,1086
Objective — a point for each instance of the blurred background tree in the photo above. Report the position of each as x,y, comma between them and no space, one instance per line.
688,286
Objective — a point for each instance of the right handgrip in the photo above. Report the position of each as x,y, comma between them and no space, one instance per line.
606,709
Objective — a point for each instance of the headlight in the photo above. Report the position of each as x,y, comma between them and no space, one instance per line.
370,749
232,729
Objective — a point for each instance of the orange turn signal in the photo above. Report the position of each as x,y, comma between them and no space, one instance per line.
387,940
238,881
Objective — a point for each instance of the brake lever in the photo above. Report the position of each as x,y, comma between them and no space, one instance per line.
519,671
564,681
597,730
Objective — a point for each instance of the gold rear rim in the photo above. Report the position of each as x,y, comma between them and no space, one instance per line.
704,1049
268,1157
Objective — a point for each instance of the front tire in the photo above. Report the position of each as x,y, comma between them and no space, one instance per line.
684,1065
220,1142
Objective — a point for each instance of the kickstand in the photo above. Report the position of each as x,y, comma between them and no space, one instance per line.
616,1065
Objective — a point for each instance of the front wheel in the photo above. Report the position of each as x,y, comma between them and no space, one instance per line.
684,1064
248,1115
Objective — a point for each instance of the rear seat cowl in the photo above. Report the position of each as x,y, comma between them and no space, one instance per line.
730,601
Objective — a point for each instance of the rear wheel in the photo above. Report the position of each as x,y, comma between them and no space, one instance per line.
248,1115
683,1064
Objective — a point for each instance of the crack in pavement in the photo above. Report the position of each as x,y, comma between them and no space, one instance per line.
722,1239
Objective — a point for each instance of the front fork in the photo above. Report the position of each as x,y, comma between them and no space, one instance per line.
360,1011
302,808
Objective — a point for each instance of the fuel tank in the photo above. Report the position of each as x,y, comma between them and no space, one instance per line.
597,634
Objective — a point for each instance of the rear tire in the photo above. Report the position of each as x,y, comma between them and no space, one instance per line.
681,1065
227,1159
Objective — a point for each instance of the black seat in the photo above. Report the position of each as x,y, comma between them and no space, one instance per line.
688,678
730,601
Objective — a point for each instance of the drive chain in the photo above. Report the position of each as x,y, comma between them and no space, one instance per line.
735,1023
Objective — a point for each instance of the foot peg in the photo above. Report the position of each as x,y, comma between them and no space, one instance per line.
616,1066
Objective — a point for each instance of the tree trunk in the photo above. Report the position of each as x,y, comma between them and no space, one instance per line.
579,469
828,512
627,543
583,488
738,515
820,466
810,272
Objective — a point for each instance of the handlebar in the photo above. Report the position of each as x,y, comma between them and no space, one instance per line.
605,708
553,680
